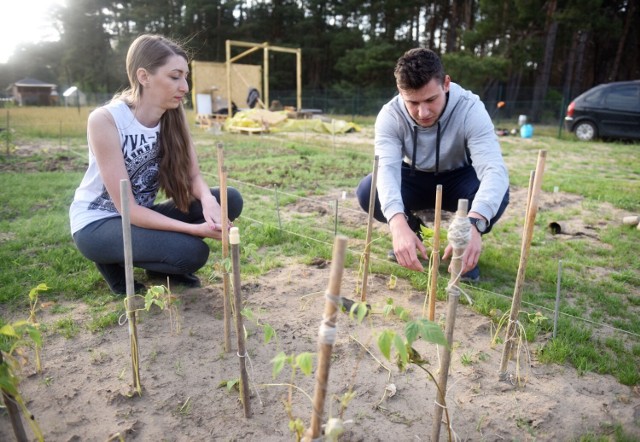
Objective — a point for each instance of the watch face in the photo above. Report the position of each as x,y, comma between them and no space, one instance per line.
481,225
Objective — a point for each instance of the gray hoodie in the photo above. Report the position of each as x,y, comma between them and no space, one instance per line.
467,136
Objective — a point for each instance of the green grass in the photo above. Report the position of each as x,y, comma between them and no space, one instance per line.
291,187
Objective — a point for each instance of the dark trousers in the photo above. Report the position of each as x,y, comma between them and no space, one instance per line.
155,250
418,191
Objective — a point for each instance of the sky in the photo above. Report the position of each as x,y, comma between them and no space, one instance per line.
25,21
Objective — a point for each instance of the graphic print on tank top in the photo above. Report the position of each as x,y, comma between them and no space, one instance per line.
142,160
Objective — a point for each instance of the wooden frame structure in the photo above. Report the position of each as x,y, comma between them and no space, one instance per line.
266,47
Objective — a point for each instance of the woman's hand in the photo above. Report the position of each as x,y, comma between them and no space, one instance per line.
211,212
203,230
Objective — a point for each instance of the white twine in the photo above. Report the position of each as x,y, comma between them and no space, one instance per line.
328,332
459,235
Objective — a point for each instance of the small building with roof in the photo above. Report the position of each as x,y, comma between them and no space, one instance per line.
33,92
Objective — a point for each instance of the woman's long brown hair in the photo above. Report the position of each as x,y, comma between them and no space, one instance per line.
150,52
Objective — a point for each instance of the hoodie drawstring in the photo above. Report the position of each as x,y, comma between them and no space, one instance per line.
414,136
438,149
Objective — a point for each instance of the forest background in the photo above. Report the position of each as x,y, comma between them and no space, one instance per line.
534,55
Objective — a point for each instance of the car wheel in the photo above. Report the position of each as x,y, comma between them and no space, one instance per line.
585,131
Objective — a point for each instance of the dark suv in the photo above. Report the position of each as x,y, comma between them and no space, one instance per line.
610,110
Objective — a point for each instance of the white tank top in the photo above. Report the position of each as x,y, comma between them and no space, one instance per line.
140,149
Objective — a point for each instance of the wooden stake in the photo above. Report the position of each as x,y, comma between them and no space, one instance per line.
128,271
527,235
453,296
234,239
367,246
435,254
326,336
224,211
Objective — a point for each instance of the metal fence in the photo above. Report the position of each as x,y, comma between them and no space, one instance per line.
367,102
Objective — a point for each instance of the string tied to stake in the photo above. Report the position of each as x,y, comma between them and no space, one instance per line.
459,233
251,376
128,309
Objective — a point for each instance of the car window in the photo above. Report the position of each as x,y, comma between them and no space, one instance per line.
625,98
594,97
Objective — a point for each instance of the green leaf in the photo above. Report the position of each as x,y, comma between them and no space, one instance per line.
278,363
304,361
431,332
402,313
362,311
387,310
384,343
35,335
231,383
33,293
8,382
269,333
8,330
411,331
401,348
426,232
247,313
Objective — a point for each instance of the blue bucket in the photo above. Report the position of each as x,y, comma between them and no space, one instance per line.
526,131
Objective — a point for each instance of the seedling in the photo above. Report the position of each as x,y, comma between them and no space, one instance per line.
15,337
33,304
268,330
185,408
519,336
162,297
304,363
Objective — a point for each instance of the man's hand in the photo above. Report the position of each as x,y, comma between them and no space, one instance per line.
405,243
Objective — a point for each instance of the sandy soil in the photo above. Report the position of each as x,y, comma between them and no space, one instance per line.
83,393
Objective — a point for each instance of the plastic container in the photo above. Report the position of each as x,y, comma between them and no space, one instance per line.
526,131
522,120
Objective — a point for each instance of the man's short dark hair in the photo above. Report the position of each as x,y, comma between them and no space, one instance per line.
418,67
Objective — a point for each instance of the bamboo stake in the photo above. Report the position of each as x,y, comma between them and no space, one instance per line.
326,336
532,176
527,235
128,268
435,254
224,211
367,246
234,239
461,222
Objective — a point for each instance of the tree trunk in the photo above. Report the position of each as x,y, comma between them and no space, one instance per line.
542,81
452,32
578,74
568,68
631,9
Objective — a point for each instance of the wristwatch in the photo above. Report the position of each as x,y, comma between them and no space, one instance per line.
480,224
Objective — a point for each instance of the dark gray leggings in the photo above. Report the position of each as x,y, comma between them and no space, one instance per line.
156,250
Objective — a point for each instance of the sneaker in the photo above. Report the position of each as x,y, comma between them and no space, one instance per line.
185,279
472,276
